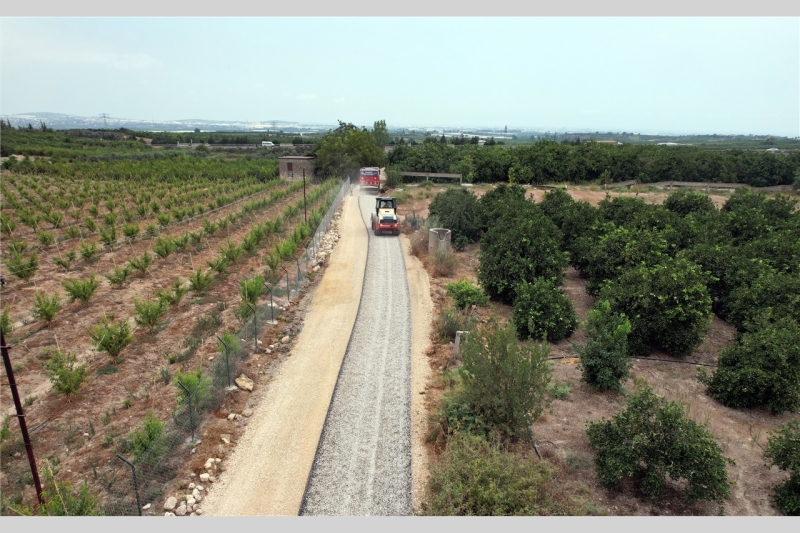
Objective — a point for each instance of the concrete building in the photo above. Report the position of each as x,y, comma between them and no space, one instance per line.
292,167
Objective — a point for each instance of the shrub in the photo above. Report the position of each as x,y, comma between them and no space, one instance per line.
652,438
251,289
66,260
444,263
90,224
465,294
81,289
218,264
108,236
64,374
476,477
163,219
605,360
197,387
497,201
45,308
130,231
667,304
147,443
111,338
783,451
141,263
776,291
523,244
543,311
449,322
164,246
685,202
198,281
149,312
174,296
119,275
459,211
46,238
505,382
21,267
6,324
393,178
88,250
620,249
762,369
61,499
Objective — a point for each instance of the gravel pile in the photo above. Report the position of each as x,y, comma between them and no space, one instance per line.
363,462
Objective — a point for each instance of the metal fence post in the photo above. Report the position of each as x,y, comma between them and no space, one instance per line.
288,291
297,281
271,304
135,483
255,328
191,417
227,366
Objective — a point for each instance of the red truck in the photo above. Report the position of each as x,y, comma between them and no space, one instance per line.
370,177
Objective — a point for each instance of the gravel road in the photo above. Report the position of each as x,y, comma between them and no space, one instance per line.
362,465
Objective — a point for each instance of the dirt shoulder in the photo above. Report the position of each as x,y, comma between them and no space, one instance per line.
267,472
419,289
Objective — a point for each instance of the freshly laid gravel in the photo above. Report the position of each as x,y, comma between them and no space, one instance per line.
363,462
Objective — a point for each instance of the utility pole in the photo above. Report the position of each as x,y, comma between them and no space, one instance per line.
105,116
305,214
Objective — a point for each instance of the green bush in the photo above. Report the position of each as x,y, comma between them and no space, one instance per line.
444,263
81,289
175,295
762,369
498,201
652,438
199,281
521,245
465,294
6,324
141,263
459,211
543,311
147,443
21,267
667,304
61,499
477,478
45,308
88,250
251,289
149,312
776,291
66,260
449,322
111,338
46,238
783,451
197,387
684,202
505,382
604,359
119,275
64,374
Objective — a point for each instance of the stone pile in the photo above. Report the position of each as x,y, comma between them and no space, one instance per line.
188,503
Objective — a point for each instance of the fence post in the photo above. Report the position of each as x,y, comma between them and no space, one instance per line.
227,366
297,281
288,291
271,304
191,414
135,483
255,328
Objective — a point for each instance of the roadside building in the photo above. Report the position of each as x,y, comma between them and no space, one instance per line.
294,167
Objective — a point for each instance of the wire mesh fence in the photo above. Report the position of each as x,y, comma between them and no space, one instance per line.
144,462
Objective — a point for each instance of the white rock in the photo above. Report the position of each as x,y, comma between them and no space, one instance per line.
198,498
217,460
169,514
191,486
181,510
146,507
170,504
285,340
190,501
232,415
212,479
244,383
226,438
200,488
198,512
193,514
204,477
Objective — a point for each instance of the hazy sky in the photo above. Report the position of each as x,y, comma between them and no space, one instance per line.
648,75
